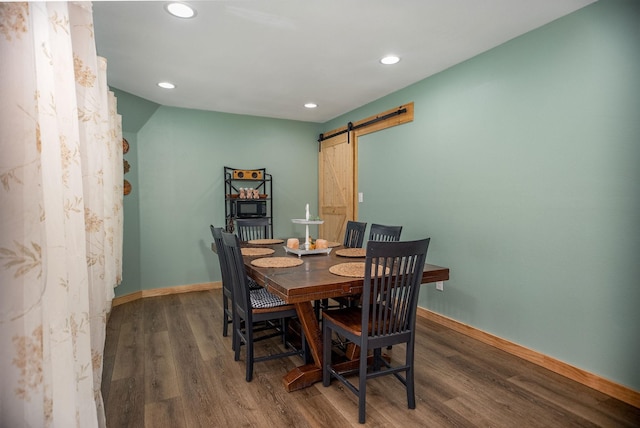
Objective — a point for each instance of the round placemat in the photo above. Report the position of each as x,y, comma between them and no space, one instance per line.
265,241
280,262
333,244
257,251
352,252
352,269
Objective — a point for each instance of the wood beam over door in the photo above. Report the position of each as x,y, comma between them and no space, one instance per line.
386,119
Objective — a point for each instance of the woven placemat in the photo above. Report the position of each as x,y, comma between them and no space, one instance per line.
333,244
257,251
279,262
265,241
352,252
352,269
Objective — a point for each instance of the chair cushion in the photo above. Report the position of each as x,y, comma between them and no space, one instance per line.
261,298
253,285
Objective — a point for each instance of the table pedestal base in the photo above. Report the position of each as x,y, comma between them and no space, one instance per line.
304,376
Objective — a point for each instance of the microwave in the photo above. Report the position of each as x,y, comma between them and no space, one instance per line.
249,208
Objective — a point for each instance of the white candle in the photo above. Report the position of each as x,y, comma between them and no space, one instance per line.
307,212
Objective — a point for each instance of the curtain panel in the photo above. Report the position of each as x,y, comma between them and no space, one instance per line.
61,190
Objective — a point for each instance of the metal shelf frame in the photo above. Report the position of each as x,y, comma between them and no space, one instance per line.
232,187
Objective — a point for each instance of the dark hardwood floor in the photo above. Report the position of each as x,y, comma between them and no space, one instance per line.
167,364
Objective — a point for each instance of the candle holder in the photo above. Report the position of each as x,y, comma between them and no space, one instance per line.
304,248
307,244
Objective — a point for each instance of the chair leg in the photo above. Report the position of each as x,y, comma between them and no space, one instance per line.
284,326
234,336
326,354
362,385
306,354
236,342
249,352
377,357
316,309
411,394
225,316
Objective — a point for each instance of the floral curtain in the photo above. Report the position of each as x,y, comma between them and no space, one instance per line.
61,178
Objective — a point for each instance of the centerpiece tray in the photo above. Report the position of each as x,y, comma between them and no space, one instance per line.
302,252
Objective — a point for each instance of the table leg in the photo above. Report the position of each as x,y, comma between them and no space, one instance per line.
307,375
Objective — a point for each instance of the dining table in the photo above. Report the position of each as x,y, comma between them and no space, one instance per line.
310,281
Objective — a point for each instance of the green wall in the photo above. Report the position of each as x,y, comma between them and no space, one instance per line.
521,165
178,188
135,111
131,268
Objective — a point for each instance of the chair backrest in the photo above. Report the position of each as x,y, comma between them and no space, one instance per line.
354,235
393,285
224,265
238,276
381,232
253,228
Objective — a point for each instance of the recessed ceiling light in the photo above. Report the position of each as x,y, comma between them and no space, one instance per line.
166,85
181,10
389,60
311,105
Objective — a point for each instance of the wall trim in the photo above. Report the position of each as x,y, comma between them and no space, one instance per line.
165,291
591,380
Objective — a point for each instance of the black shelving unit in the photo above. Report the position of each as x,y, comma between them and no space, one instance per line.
236,207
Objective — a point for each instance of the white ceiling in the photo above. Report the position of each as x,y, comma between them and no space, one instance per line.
269,57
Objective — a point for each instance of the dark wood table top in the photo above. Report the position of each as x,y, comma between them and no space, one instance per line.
312,280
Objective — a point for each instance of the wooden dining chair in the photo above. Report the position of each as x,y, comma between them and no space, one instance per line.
253,228
227,297
380,232
354,234
353,238
392,277
227,288
251,307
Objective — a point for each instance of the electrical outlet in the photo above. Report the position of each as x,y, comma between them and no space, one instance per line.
440,285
